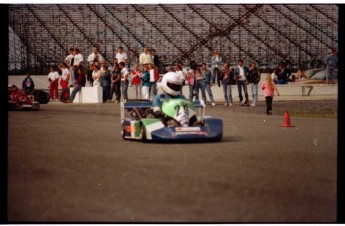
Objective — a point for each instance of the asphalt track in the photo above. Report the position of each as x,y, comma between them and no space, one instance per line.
68,162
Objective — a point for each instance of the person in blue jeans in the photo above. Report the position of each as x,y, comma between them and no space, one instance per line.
226,76
81,80
241,73
331,61
254,79
282,74
124,81
209,82
106,84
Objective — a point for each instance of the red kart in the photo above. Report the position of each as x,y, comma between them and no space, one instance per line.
18,100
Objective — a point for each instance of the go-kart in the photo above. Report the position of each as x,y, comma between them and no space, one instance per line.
178,123
18,100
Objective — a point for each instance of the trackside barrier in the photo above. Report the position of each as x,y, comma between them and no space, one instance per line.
88,95
92,95
291,91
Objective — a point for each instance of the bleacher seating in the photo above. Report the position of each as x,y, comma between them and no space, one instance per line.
41,34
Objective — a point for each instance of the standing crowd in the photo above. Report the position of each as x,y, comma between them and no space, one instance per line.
145,75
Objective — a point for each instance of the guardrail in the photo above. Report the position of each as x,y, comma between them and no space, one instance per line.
290,91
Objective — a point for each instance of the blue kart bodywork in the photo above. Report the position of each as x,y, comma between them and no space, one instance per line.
141,125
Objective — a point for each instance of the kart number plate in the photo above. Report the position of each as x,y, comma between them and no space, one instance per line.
187,129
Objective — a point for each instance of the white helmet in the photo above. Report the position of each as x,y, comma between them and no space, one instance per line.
172,83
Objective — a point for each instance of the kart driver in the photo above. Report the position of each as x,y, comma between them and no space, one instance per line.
171,85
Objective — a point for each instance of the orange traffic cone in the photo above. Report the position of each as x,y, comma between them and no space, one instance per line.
286,122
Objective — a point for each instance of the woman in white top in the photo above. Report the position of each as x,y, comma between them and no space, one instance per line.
64,76
53,78
96,75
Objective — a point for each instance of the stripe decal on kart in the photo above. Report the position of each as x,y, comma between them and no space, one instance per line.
153,127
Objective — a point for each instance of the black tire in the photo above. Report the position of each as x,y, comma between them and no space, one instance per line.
65,94
41,96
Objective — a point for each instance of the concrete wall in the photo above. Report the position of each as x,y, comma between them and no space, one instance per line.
291,91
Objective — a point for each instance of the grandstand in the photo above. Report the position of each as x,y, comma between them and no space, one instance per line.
41,34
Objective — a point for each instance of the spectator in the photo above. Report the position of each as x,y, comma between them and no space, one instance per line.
89,78
65,74
105,74
96,75
95,56
191,79
331,61
136,74
282,74
53,78
300,74
216,63
124,81
180,73
69,61
154,77
154,58
116,84
121,56
145,79
115,61
254,77
78,62
241,73
209,81
145,57
200,84
269,87
274,76
226,76
81,80
28,84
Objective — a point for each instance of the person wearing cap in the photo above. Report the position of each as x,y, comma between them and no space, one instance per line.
331,61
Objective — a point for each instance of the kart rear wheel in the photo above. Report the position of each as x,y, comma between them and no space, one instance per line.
41,96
